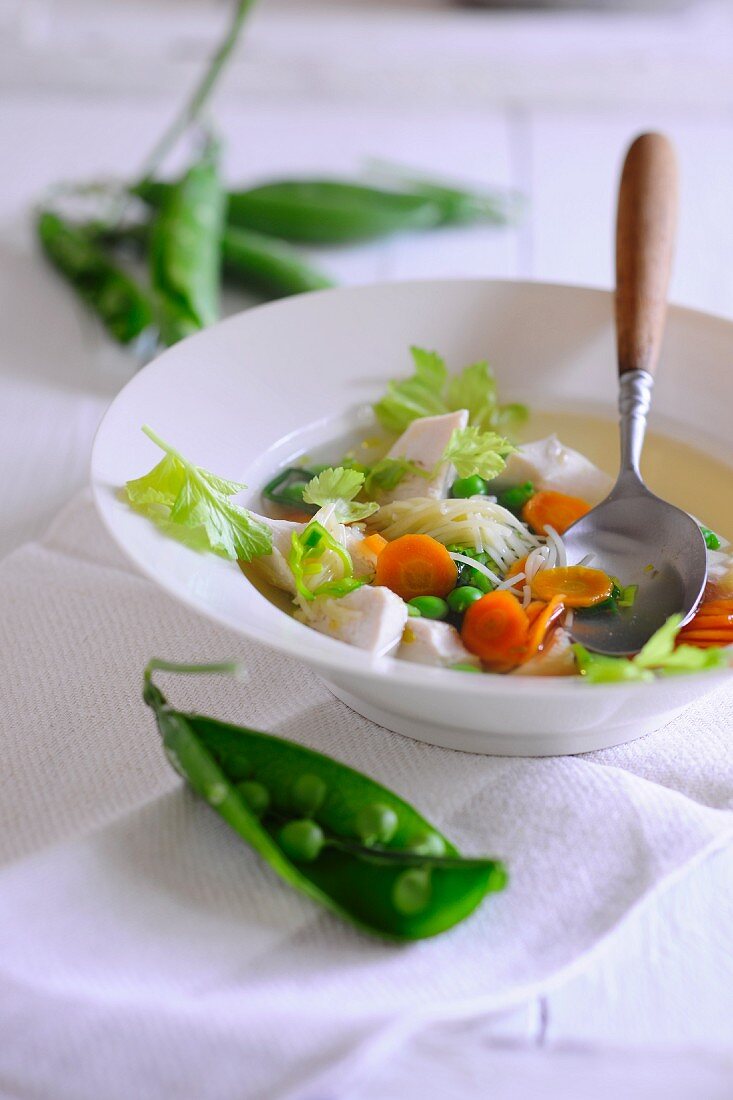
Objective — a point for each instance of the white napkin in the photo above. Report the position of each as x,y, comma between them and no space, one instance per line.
145,951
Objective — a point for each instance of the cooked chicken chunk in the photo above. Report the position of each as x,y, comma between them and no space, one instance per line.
423,443
369,618
549,464
274,567
428,642
557,659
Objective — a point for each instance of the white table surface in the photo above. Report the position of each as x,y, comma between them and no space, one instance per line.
544,104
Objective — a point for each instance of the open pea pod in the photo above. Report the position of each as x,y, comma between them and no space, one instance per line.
330,831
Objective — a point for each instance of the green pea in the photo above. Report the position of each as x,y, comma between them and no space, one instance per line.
427,843
255,795
302,841
308,793
430,607
515,498
463,666
413,612
460,599
376,823
469,487
411,891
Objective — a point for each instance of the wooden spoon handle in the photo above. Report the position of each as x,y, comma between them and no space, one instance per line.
645,231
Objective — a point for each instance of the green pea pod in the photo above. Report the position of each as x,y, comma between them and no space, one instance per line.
414,885
268,266
121,305
185,251
319,211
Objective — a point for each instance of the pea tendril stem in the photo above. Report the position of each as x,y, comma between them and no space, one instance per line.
191,110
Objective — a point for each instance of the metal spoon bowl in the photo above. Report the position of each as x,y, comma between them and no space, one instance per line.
633,534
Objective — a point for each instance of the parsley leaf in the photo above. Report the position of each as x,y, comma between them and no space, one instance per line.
659,653
339,486
194,504
475,452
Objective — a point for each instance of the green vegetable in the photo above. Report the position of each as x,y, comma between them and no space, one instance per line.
426,843
376,823
339,487
314,555
475,452
301,841
515,498
469,576
712,541
287,488
627,596
386,475
431,392
255,795
185,252
193,504
465,667
658,654
308,793
195,103
460,599
429,607
472,486
413,612
362,884
411,892
121,305
458,204
269,266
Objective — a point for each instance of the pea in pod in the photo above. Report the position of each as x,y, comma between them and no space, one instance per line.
122,306
401,882
185,251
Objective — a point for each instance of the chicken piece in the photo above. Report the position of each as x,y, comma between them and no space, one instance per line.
370,618
274,567
549,464
423,442
364,561
428,642
557,659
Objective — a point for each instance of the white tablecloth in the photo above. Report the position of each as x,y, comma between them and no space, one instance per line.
146,951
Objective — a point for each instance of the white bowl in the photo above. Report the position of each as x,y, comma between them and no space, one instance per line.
252,392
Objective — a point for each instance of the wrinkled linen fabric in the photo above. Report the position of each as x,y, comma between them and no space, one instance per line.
145,951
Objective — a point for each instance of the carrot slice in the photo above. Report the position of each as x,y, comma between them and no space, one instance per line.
712,625
550,509
496,629
578,585
374,544
515,569
416,565
542,625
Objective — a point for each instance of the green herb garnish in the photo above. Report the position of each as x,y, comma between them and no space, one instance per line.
658,655
473,451
177,495
430,391
712,541
339,486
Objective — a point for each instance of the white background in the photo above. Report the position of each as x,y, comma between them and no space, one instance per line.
545,104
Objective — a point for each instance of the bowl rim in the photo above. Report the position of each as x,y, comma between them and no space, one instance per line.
328,654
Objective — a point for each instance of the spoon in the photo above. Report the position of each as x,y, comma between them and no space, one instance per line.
634,535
